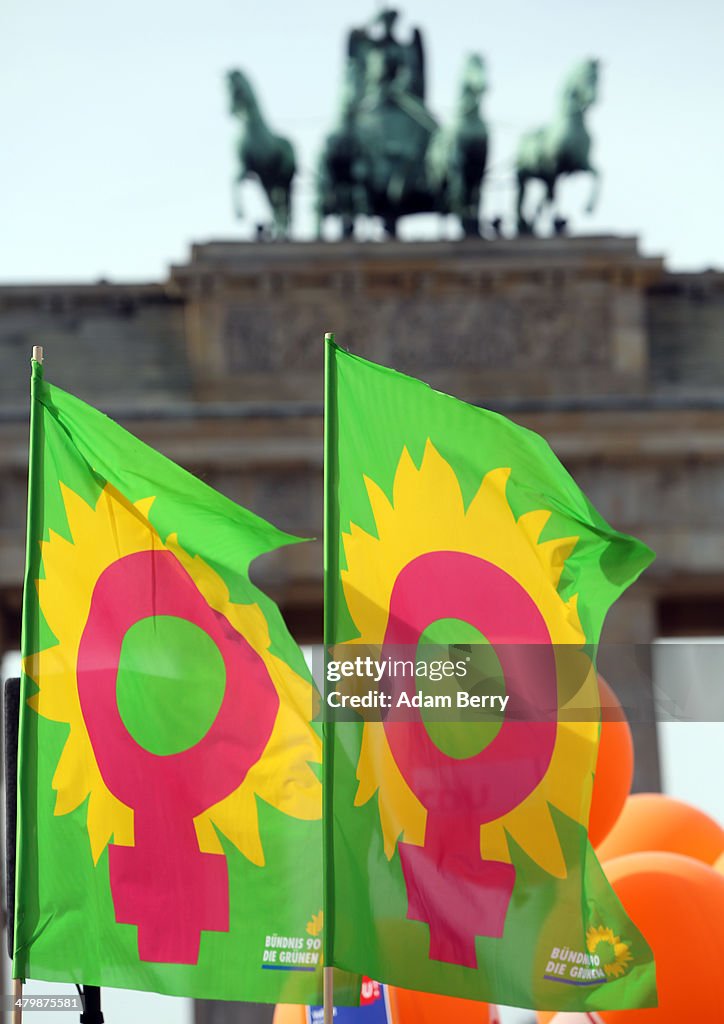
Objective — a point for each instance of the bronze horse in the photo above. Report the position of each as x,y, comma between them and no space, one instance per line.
261,154
560,148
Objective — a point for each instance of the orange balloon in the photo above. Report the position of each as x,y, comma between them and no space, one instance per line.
410,1007
614,766
678,903
652,821
285,1013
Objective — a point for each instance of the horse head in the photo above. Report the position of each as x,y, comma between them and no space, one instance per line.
474,81
241,93
580,90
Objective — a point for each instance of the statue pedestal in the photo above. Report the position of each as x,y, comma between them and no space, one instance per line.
512,318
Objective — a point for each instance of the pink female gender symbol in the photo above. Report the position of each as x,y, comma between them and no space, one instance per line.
163,883
448,885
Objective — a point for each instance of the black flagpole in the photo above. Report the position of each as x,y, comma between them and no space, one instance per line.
91,997
90,994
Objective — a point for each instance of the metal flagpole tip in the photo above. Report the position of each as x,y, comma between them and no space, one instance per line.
38,353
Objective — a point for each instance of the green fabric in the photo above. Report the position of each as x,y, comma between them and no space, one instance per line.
170,686
377,418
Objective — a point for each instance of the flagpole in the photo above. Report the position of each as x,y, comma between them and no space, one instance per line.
327,734
37,357
17,1000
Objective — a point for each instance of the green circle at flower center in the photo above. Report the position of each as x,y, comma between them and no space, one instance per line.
464,733
170,683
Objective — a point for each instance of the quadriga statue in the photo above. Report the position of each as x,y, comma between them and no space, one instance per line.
387,156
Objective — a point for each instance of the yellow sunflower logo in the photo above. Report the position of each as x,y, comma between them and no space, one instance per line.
111,534
615,955
426,514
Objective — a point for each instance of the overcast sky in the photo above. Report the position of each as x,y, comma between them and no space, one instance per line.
117,145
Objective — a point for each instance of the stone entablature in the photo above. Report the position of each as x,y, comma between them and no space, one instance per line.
525,316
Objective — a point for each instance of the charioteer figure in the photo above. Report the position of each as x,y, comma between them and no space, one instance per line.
387,155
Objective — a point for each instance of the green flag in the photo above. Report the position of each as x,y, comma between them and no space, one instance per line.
457,858
169,831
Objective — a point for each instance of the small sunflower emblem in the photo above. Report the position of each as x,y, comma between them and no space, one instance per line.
615,955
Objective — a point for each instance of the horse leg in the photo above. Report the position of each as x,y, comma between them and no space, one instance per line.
235,195
272,199
390,225
318,220
471,195
559,223
278,197
546,199
524,227
287,206
281,211
471,212
595,190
